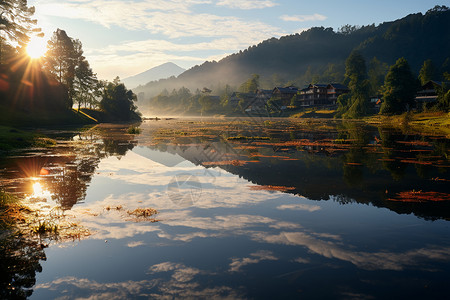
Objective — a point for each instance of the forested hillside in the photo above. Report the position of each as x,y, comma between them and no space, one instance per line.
319,54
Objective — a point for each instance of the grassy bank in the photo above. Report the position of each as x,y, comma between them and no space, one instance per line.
432,122
320,113
12,138
41,118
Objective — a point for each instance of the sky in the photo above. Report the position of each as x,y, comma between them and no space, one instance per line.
126,37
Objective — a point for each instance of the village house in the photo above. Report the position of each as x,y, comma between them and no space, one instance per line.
321,94
428,92
283,95
259,101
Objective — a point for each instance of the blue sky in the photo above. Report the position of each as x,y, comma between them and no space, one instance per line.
126,37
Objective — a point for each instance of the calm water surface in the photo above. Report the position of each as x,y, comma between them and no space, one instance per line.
247,209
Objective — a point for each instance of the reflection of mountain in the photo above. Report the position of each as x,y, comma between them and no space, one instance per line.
164,158
362,171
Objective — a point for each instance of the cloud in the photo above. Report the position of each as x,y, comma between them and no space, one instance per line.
307,207
179,285
181,272
174,21
303,18
383,260
238,263
166,22
247,4
135,244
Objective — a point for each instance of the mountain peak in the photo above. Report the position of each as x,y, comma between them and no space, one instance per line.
163,71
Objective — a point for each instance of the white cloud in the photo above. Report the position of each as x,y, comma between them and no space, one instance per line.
172,19
247,4
238,263
303,18
180,285
135,244
306,207
382,260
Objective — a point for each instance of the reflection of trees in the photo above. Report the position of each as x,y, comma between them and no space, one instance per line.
68,167
356,156
71,166
390,163
69,185
332,161
19,262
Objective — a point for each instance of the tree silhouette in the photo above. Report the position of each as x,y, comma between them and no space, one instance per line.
62,58
355,104
118,101
400,87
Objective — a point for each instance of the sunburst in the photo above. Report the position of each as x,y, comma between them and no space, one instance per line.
36,48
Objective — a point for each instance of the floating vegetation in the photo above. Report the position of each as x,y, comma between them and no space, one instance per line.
420,197
417,162
277,188
245,138
133,130
414,143
268,156
118,207
143,214
44,227
235,162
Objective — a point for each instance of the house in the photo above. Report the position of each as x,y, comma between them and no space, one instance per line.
283,95
334,90
375,103
321,94
259,101
428,92
237,97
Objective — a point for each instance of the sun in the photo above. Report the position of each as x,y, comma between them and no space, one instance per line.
36,47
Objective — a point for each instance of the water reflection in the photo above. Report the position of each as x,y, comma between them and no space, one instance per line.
64,171
247,210
347,160
19,262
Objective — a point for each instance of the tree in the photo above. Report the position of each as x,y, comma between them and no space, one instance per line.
85,84
62,58
376,73
16,23
427,72
355,104
118,101
251,85
399,88
444,94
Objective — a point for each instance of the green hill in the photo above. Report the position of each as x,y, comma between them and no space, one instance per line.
319,54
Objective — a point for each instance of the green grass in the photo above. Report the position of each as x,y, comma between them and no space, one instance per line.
6,199
41,118
11,138
133,130
312,113
44,227
430,122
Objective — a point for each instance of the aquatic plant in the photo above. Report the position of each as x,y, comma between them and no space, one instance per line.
133,130
44,227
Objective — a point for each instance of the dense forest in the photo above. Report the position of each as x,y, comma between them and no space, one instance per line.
317,55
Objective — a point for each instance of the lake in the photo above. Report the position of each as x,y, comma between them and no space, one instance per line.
246,208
